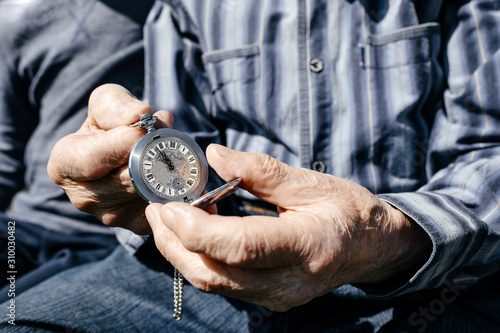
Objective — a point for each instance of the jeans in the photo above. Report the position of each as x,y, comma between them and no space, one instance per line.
39,253
124,293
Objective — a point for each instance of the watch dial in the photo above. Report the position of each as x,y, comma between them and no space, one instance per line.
170,168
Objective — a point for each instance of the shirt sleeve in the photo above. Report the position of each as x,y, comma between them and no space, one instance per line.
459,207
17,116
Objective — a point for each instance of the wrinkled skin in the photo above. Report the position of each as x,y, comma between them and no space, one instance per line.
91,165
329,232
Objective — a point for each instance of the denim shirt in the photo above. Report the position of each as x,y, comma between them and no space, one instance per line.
397,96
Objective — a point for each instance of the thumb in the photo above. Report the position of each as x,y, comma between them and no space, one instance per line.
262,175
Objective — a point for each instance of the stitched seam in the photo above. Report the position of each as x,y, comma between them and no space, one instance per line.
370,107
219,55
261,67
478,32
309,83
413,32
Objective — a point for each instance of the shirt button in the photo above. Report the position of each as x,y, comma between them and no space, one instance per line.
319,166
316,65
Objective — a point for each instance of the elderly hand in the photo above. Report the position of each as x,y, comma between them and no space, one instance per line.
91,165
329,232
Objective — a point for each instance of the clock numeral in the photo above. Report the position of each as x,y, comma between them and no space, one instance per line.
190,182
194,171
184,149
172,145
150,177
191,159
147,165
170,191
161,146
159,187
152,153
184,190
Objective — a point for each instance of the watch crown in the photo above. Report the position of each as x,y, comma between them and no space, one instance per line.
146,121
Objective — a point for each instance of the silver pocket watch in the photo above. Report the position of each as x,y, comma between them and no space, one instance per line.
166,165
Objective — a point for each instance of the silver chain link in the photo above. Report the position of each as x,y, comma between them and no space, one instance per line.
178,294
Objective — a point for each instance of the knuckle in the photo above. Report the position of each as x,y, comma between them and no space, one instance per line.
59,162
265,160
245,251
111,107
111,98
272,168
85,203
88,162
270,164
104,88
53,171
99,91
266,164
110,220
130,110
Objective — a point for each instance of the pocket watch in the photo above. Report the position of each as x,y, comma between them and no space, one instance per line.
167,165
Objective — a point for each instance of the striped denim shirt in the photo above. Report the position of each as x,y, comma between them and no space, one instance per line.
400,97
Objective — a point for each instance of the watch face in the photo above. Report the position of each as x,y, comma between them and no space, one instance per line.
167,165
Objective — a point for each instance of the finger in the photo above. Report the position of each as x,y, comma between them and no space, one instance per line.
85,157
111,105
89,155
266,177
275,288
252,241
168,243
165,119
112,199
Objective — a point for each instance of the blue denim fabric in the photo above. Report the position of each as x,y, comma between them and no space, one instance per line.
40,253
125,294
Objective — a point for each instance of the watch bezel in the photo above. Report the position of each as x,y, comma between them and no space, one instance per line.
135,165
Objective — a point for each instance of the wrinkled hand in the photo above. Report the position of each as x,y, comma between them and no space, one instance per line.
329,232
91,165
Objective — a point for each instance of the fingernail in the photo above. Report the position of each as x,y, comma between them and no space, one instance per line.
165,119
163,124
222,151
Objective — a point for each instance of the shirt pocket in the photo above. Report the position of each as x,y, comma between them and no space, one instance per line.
406,46
234,77
235,81
403,78
402,65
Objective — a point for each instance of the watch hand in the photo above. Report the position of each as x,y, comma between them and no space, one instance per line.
167,160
